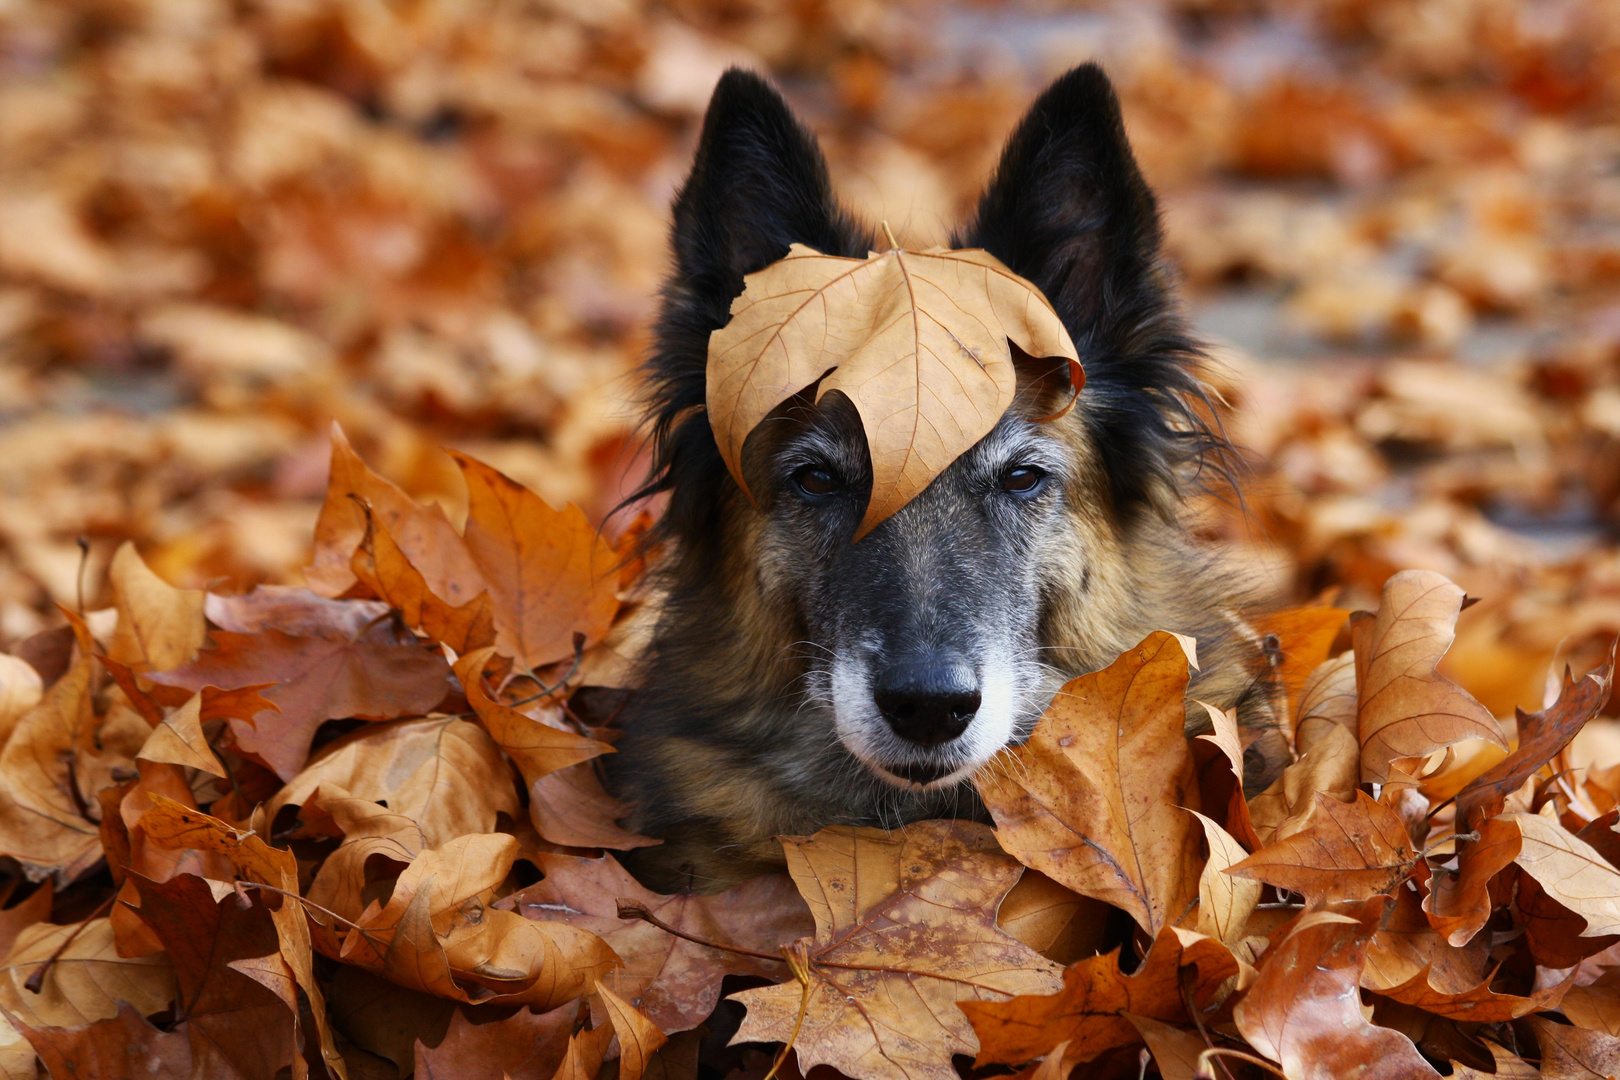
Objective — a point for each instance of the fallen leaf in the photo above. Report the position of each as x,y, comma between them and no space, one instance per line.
674,981
19,917
1329,767
422,533
639,1037
1328,696
88,979
1088,1013
179,740
375,675
1303,1010
1596,1005
1404,707
1303,637
159,627
918,341
586,1052
1459,902
1218,762
1478,1004
550,574
383,568
1506,1065
1570,1053
119,1047
1554,934
1225,902
1541,735
1095,798
569,807
1053,919
535,746
525,1046
905,929
1570,871
1348,851
20,690
1175,1050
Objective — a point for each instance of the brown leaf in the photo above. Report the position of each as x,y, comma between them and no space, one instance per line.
159,627
550,574
444,773
1053,919
1303,1011
525,1046
86,982
1554,932
918,341
1094,799
118,1048
388,573
422,533
1505,1066
1595,1006
1088,1013
1349,851
1404,707
1304,636
1225,902
1330,766
19,917
179,740
1571,1053
238,1028
20,690
1406,944
1478,1004
675,982
586,1052
1541,735
1175,1050
375,675
905,929
1459,903
639,1037
1570,871
569,807
1218,761
536,746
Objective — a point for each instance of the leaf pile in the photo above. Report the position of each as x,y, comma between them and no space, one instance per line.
357,831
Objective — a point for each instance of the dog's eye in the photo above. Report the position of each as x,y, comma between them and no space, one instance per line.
814,480
1022,480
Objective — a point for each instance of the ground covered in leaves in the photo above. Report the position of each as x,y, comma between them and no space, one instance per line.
298,770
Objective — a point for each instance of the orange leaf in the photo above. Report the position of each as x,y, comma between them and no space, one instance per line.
1459,902
639,1038
387,571
1349,851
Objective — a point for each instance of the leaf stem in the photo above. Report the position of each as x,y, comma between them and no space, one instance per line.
635,909
894,245
1184,978
579,658
308,903
1218,1052
798,960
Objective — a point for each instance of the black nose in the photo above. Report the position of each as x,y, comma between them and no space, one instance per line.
928,702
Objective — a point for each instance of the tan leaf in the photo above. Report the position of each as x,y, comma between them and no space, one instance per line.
1404,707
384,569
571,808
674,981
1304,636
159,627
1349,851
1569,1053
905,929
1225,902
1218,761
1089,1012
1053,919
178,739
86,982
1406,944
917,340
1328,696
1570,871
1175,1050
1303,1011
1330,767
1094,799
1596,1006
20,690
550,574
639,1037
536,746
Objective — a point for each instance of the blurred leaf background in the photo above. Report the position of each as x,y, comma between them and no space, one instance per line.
226,223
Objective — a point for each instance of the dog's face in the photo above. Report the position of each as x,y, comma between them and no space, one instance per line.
921,640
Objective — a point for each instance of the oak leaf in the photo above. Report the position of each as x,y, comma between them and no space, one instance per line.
1570,871
1088,1013
1303,1010
905,929
374,674
1541,735
676,982
1348,851
550,574
917,340
1095,798
1405,708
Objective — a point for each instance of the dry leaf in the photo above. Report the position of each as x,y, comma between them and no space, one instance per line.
918,341
159,627
384,569
1477,1004
905,929
20,690
1569,1053
1053,919
1095,798
1570,871
179,740
570,807
639,1037
535,746
1304,636
1348,851
88,980
124,1045
1404,707
1175,1050
524,1046
1225,901
1459,902
1329,767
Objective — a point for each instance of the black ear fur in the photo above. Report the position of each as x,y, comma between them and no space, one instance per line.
758,184
1068,209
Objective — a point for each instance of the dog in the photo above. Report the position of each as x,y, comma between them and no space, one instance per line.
794,678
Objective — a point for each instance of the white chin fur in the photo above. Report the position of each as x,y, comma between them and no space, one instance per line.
868,736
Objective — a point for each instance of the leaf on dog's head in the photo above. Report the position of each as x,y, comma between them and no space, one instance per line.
918,340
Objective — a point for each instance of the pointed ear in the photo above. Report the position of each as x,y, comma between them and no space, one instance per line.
1068,209
758,184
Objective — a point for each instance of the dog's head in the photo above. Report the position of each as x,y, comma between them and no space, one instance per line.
923,640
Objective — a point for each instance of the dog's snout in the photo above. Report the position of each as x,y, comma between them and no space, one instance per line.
928,701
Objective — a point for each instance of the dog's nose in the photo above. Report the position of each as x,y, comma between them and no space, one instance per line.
928,702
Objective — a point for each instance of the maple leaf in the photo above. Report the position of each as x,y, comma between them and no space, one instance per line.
1570,871
179,740
1541,735
1218,761
525,1046
1349,851
905,929
918,341
124,1045
385,569
1094,798
1303,1011
371,674
674,980
1404,707
1459,902
1088,1013
422,533
550,574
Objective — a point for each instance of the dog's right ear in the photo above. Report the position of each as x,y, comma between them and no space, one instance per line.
758,184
